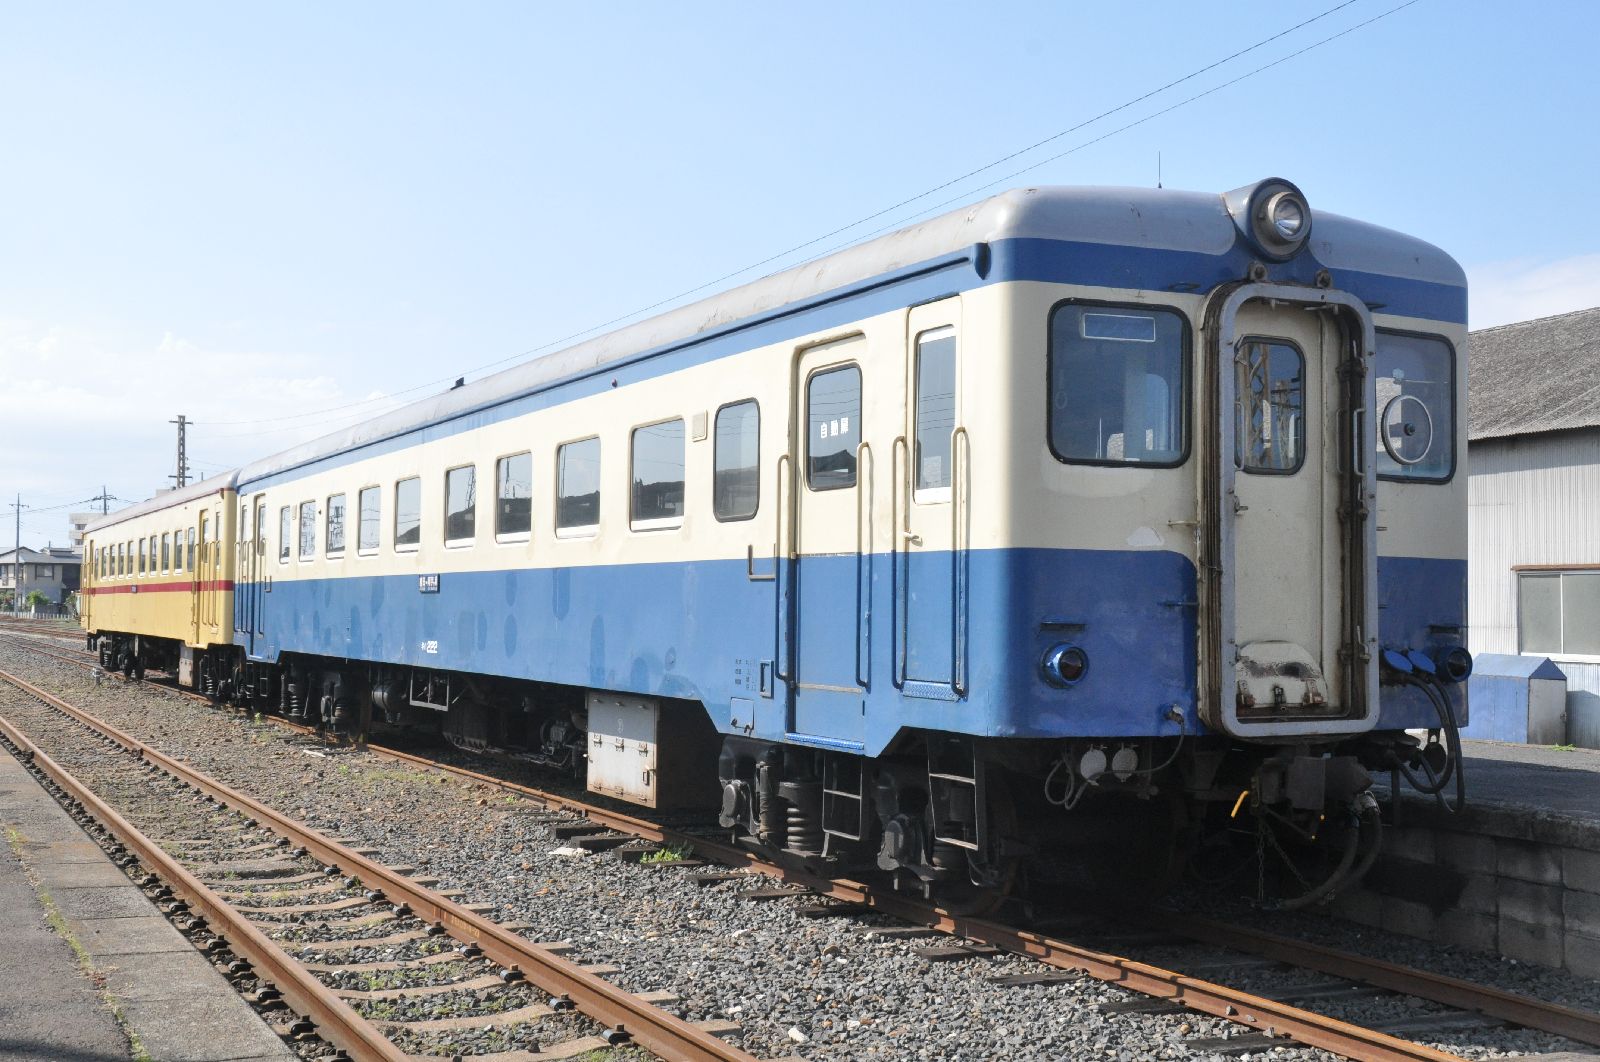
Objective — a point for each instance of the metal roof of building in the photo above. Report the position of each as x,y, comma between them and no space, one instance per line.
1534,376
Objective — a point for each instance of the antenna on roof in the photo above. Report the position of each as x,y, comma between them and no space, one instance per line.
461,381
1158,169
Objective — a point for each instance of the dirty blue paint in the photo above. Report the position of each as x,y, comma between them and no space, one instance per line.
1422,604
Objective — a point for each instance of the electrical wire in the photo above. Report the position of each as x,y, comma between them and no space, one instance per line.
951,182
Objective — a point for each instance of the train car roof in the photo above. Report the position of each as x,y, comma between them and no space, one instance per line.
193,492
1163,219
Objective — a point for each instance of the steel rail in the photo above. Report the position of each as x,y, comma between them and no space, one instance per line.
335,1020
651,1027
1580,1025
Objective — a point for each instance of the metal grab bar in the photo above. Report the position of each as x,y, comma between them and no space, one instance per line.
900,520
864,488
750,572
779,553
960,453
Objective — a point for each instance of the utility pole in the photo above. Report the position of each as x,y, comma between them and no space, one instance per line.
104,498
16,563
181,479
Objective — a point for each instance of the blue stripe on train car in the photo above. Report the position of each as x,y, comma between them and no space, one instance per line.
702,631
1422,604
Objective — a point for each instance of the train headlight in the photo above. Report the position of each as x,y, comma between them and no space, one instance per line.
1273,214
1064,665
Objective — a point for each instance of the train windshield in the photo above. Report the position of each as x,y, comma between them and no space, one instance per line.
1117,385
1416,407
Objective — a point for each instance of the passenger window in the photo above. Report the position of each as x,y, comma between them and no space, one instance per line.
408,514
335,524
166,552
308,530
578,488
177,551
513,514
833,428
1269,407
155,554
460,505
371,502
284,532
736,475
657,501
1117,385
141,556
1416,407
936,409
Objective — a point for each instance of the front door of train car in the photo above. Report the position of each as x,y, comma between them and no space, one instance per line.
831,551
1291,617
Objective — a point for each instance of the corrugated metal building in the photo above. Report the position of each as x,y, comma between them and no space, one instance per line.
1534,459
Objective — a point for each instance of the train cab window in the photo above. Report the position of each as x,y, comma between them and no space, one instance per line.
408,514
335,525
461,505
657,494
1416,388
1269,407
833,427
1117,383
284,531
578,488
513,510
308,530
736,471
935,413
370,501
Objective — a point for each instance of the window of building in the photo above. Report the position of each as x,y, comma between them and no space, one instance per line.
513,513
833,427
1416,389
657,495
371,502
1269,407
335,524
47,571
935,412
1558,613
408,513
461,505
578,488
284,533
1118,381
736,463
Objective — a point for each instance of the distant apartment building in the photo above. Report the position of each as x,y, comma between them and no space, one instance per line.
55,571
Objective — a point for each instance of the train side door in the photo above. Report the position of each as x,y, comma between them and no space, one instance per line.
830,576
1295,616
928,564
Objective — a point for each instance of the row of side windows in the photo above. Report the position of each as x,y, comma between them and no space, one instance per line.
169,553
657,492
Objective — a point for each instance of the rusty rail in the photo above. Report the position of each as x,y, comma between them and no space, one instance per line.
335,1020
651,1027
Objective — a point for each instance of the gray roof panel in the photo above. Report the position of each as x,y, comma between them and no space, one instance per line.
1533,376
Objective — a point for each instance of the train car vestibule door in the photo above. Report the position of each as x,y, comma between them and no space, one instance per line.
929,565
831,566
1296,543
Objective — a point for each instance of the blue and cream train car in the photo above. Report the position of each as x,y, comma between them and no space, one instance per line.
926,553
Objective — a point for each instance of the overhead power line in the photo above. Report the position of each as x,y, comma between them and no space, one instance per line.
943,185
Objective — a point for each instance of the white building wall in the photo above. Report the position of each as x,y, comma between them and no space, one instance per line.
1531,500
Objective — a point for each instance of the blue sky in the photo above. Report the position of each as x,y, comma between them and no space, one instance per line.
257,214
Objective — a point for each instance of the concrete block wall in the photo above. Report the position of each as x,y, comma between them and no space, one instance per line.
1519,883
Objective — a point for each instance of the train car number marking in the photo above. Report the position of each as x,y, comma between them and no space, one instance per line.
428,584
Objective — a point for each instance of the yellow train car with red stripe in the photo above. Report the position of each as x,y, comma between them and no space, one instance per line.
158,585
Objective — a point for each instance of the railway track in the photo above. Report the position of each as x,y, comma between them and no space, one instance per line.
360,953
1273,1017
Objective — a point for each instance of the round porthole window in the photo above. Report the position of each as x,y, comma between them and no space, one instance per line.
1407,429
